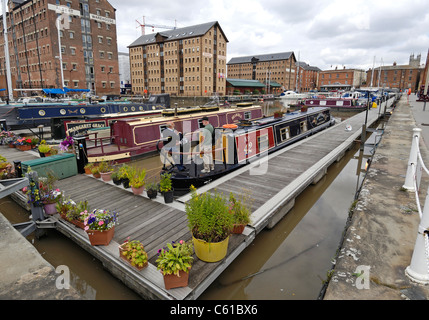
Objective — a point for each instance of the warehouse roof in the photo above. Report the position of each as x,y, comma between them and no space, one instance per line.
177,34
263,57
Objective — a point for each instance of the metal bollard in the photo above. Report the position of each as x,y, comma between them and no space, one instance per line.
418,270
409,179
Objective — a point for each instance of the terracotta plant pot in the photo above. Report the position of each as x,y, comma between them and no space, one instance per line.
238,228
100,238
97,175
78,223
106,176
172,281
137,191
24,148
88,171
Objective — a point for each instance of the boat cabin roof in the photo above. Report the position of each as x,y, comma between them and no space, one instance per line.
255,124
181,117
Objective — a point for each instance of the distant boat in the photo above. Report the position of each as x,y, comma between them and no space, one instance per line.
291,98
33,114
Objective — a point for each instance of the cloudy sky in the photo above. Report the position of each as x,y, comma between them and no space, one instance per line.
323,33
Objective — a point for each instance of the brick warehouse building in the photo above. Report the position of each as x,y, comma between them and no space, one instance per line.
278,67
397,76
189,61
341,79
88,45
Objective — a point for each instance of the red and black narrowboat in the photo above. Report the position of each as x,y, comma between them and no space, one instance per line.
239,145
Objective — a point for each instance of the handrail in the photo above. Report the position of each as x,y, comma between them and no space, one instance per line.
418,270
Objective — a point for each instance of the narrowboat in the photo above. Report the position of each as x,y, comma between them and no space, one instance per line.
238,145
337,104
132,138
53,114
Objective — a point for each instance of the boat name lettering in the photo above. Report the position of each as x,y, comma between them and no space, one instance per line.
73,128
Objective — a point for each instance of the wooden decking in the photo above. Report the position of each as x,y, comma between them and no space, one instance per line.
286,174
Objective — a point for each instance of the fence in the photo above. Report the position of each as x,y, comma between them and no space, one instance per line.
418,270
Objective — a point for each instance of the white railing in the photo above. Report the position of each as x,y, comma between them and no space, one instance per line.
418,270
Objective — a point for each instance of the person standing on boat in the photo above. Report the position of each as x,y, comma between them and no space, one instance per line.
172,144
206,145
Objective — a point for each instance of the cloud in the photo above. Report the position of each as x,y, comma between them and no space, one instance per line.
323,32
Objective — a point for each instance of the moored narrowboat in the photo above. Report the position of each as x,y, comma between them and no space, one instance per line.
136,137
238,145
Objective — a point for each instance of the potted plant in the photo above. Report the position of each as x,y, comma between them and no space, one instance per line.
88,168
210,223
239,208
23,144
5,168
133,253
166,187
106,170
116,178
100,226
124,175
137,180
64,206
96,172
49,194
77,213
44,149
152,190
67,144
175,262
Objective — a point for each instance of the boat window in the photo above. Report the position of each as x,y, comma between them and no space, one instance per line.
162,127
303,126
263,142
200,124
247,115
285,134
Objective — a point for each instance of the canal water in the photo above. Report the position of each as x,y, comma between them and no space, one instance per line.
291,261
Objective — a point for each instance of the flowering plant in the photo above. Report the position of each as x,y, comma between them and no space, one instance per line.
7,137
67,144
64,206
176,257
78,211
100,220
23,141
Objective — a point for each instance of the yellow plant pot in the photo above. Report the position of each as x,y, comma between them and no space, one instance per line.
210,251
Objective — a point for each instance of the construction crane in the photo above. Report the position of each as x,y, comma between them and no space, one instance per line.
153,26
